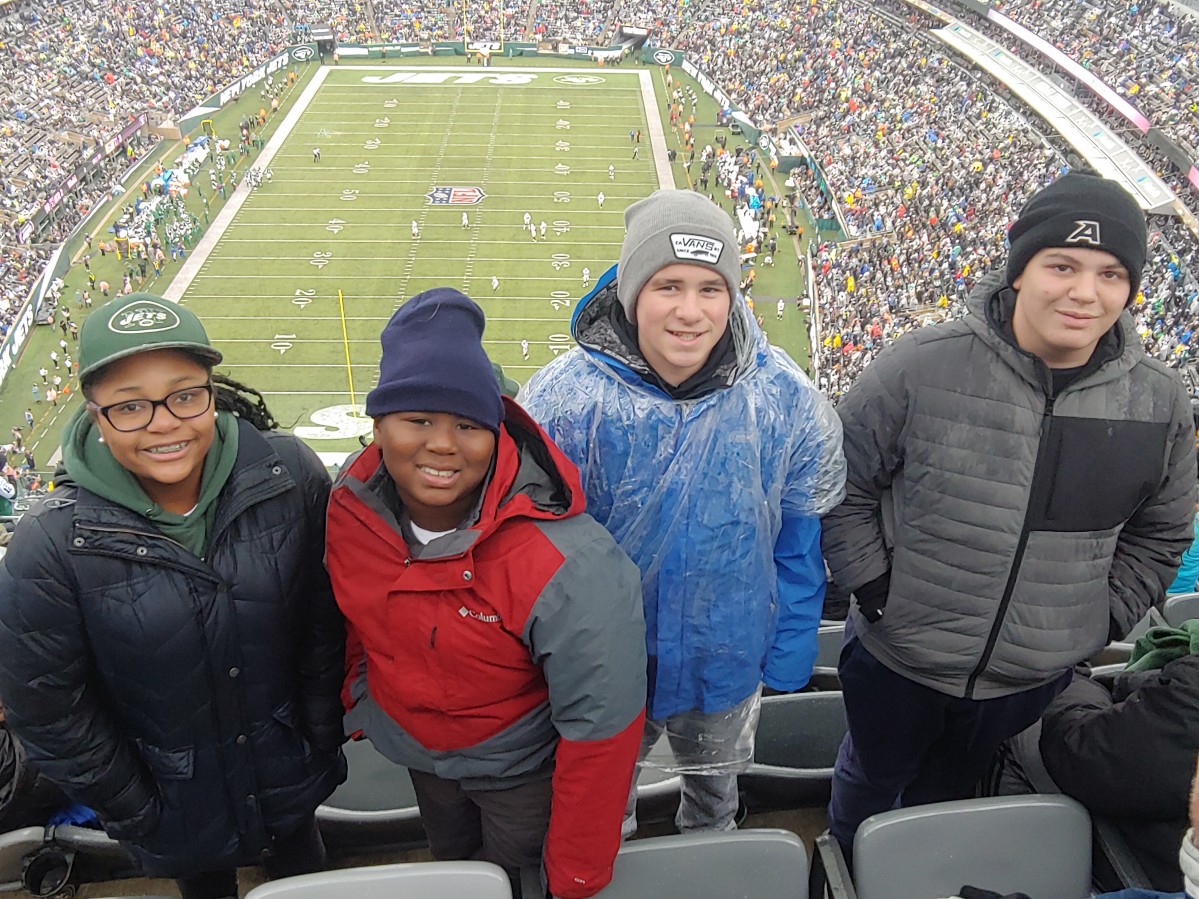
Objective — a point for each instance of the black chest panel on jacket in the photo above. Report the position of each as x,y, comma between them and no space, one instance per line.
1094,474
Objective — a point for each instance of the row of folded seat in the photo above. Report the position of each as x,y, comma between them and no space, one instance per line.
1037,845
796,748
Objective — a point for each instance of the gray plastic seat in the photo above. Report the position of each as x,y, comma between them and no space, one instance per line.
1112,654
88,841
1036,844
14,846
829,640
795,751
416,880
748,864
376,805
1181,607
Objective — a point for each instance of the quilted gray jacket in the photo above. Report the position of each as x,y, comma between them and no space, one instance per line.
1021,531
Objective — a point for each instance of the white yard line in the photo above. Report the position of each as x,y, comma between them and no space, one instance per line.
191,266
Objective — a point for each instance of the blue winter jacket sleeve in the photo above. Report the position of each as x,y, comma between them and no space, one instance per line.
801,584
1188,570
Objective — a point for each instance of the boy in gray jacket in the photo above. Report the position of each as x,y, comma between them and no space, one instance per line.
1021,485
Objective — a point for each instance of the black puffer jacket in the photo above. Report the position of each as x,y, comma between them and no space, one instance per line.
192,703
1128,753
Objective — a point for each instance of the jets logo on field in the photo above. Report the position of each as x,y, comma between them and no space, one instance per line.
1085,232
302,54
580,79
764,141
455,196
663,57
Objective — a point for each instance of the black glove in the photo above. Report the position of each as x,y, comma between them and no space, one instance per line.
871,597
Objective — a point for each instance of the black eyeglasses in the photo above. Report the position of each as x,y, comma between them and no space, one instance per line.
133,415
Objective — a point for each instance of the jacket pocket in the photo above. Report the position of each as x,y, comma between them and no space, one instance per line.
169,764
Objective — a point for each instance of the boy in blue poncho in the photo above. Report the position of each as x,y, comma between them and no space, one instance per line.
710,457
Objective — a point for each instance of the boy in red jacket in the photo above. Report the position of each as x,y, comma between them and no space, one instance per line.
496,638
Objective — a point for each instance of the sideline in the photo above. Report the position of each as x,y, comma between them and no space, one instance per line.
657,136
199,254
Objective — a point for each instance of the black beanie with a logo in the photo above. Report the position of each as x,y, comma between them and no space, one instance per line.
1083,212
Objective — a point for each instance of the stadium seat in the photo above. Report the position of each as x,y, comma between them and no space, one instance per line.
1112,654
748,864
416,880
376,806
1120,651
14,846
794,751
1181,607
829,640
1038,845
830,637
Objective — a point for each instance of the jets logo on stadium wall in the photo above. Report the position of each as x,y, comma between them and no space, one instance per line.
580,79
455,196
663,57
302,54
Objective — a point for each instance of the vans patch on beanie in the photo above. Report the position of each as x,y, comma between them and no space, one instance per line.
669,227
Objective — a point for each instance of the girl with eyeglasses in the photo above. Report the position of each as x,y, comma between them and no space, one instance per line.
170,652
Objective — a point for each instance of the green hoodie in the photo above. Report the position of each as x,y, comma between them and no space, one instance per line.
1161,645
91,465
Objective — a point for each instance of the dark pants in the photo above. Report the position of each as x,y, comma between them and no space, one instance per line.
505,827
302,852
910,745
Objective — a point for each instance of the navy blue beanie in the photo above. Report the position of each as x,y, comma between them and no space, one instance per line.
433,361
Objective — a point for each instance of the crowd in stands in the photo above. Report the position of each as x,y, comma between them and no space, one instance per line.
925,167
571,21
664,21
75,74
1146,51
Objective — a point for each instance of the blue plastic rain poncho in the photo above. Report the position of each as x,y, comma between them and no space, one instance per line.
716,499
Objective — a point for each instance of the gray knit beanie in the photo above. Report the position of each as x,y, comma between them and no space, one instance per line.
672,226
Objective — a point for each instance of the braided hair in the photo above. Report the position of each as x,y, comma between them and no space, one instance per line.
244,402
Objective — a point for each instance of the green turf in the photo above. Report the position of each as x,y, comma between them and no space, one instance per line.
268,292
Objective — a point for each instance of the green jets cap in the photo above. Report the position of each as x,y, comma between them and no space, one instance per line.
138,323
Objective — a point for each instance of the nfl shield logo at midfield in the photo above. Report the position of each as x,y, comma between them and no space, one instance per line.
455,196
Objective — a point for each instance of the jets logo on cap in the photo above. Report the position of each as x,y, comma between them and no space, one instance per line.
1085,232
696,248
146,317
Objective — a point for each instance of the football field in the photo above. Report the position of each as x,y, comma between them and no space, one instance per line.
426,176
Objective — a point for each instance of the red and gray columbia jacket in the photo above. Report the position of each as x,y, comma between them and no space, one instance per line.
503,649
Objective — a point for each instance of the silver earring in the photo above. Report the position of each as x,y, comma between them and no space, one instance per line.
100,440
216,414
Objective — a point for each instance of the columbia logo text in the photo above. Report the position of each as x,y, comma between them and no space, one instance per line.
478,616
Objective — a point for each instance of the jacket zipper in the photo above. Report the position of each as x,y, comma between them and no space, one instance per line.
1018,557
